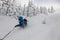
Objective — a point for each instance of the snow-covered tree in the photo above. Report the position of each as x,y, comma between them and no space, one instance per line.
51,10
30,9
37,10
34,12
0,3
19,10
43,10
7,6
24,10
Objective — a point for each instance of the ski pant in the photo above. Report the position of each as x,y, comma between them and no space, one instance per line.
20,25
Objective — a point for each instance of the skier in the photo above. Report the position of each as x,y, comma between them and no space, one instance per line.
21,22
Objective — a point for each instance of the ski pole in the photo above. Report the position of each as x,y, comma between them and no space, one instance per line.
7,34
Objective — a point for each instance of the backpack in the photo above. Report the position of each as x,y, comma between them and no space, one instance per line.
25,21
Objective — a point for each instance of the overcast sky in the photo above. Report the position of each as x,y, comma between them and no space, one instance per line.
48,3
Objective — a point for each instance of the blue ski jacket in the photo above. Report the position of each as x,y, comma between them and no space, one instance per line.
21,21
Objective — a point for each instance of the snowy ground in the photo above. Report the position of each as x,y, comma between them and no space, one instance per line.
35,29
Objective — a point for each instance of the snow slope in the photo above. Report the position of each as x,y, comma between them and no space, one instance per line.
35,30
6,24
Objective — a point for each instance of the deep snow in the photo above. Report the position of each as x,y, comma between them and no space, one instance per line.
35,29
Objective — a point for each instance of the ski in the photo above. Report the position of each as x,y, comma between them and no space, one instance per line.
7,34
